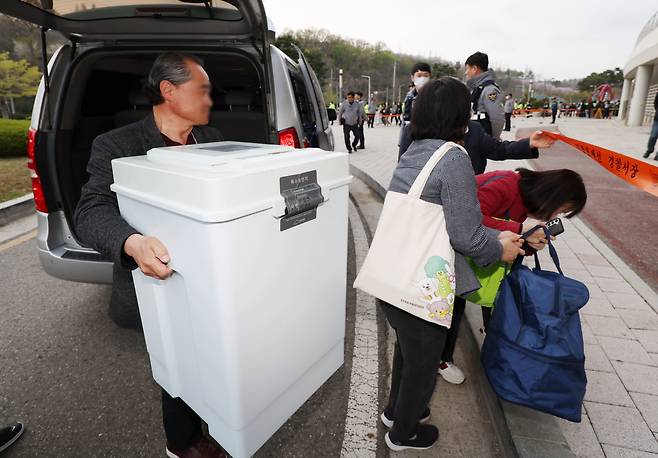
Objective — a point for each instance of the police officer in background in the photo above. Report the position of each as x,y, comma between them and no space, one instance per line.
485,94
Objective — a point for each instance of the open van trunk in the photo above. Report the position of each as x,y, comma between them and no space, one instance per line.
103,92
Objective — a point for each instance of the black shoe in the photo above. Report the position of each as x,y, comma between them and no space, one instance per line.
647,154
425,437
388,422
362,146
10,434
349,151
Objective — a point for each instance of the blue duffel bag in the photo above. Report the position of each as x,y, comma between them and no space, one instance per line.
533,352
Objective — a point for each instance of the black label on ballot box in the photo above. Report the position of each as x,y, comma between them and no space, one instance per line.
302,195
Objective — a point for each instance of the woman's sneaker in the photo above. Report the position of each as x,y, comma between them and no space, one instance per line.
389,423
451,373
425,437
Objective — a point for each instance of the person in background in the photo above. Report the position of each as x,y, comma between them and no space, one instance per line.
421,73
372,112
441,113
358,98
485,94
653,136
350,116
509,110
553,110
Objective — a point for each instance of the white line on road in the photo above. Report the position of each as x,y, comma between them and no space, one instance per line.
360,440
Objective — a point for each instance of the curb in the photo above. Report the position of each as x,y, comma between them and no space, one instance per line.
14,209
523,432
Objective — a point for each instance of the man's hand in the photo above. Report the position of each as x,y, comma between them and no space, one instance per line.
150,255
539,140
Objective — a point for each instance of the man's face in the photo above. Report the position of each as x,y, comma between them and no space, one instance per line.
471,71
350,98
357,97
191,100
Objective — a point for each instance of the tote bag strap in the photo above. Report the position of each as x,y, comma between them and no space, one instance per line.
424,175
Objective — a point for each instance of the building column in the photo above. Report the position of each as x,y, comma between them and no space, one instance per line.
623,100
640,92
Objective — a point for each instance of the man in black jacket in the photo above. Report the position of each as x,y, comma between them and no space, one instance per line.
653,136
481,146
179,89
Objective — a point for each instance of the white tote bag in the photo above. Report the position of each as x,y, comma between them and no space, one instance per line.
411,263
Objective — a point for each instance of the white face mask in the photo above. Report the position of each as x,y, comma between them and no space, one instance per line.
420,81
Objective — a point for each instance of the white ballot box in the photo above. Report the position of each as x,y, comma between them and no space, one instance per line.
252,322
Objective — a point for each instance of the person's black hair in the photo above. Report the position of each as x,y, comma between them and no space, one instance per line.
543,193
359,93
350,93
441,110
421,67
478,59
172,67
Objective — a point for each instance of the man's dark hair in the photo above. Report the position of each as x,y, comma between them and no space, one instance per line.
543,193
350,93
359,93
421,67
441,110
478,59
172,67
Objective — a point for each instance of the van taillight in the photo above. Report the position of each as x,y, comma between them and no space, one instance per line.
37,189
288,137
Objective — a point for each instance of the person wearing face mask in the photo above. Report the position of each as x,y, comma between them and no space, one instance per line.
485,94
358,98
351,115
420,75
509,109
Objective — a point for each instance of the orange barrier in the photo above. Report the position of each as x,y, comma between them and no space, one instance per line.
634,171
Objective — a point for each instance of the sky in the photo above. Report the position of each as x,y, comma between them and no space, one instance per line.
559,39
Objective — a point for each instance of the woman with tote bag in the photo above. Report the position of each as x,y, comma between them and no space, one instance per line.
416,264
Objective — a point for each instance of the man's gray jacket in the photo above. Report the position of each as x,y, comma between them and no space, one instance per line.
490,101
352,114
98,222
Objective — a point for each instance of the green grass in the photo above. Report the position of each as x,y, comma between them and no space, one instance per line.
13,137
14,178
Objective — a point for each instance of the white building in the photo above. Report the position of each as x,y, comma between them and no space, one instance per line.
641,77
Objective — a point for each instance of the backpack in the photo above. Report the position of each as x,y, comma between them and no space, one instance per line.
533,353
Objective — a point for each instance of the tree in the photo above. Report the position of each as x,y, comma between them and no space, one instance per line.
17,79
613,77
443,69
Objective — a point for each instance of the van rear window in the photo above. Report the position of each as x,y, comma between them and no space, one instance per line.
302,100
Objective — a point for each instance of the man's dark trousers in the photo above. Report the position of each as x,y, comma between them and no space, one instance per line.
354,128
508,122
362,137
553,116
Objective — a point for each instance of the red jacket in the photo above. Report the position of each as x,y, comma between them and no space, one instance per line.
500,199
